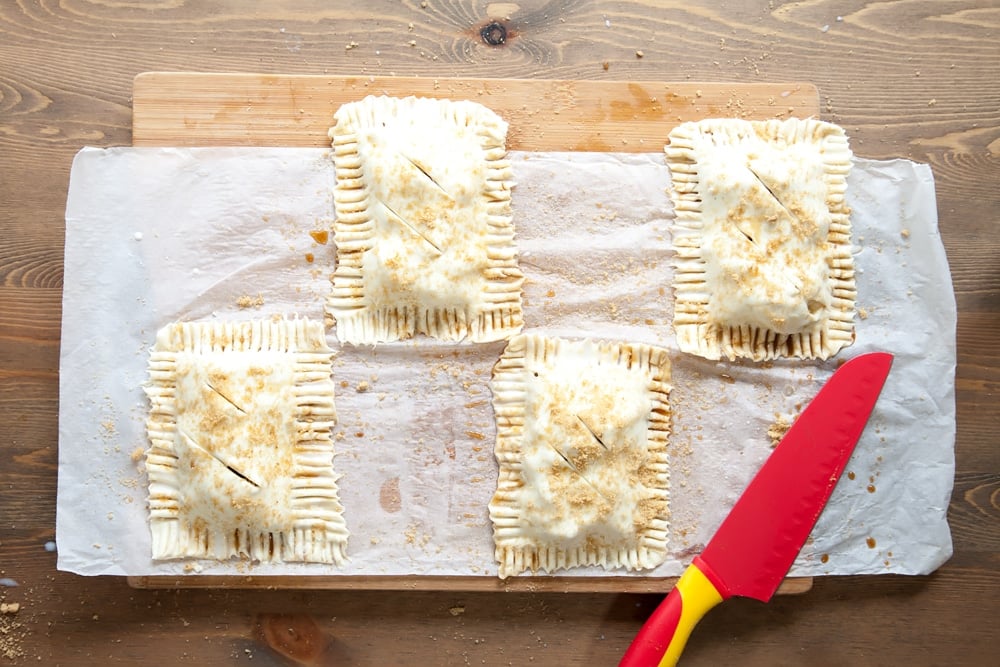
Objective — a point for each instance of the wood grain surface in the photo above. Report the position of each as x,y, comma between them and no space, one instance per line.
218,109
916,79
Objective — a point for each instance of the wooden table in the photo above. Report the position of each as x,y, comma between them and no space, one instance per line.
907,79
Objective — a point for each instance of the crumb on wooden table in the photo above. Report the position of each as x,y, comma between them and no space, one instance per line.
12,631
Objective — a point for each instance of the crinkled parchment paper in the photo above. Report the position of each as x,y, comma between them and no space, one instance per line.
156,235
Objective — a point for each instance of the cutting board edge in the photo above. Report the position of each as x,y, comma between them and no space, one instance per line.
542,584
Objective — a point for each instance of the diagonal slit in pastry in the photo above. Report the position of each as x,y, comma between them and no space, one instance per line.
770,191
423,170
592,432
191,441
400,219
227,399
577,471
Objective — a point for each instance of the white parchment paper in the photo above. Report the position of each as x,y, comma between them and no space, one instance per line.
157,235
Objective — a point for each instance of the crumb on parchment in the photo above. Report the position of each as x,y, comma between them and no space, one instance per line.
247,301
778,429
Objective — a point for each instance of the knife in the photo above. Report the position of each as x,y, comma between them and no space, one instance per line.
757,542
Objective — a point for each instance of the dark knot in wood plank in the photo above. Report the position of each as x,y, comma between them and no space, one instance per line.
294,636
494,33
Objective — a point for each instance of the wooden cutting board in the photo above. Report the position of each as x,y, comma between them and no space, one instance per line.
210,109
194,109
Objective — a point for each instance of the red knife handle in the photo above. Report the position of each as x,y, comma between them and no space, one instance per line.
662,638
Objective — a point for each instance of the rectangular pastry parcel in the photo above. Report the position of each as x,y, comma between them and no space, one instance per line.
582,432
425,240
240,462
763,238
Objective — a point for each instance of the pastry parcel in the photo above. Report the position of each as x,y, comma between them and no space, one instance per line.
582,445
763,239
241,456
425,241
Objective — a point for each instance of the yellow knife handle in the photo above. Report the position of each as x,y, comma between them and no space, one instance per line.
662,638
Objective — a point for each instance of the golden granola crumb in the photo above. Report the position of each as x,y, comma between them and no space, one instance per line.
247,301
778,429
12,633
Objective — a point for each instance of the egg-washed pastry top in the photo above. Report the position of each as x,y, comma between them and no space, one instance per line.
240,462
582,432
763,238
425,240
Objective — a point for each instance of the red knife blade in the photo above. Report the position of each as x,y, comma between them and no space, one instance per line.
758,541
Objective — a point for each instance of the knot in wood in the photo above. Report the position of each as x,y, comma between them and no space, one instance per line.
494,34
